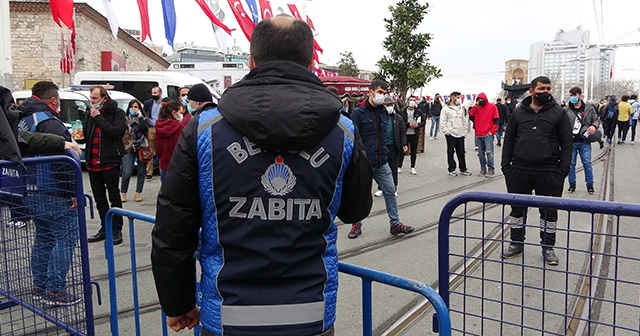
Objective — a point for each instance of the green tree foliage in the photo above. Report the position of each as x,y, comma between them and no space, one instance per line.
406,67
347,66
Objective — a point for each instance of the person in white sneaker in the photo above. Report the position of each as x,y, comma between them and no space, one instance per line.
396,141
454,121
414,119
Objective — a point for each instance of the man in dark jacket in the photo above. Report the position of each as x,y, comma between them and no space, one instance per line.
502,113
371,122
536,157
396,141
434,116
584,119
104,128
272,165
51,200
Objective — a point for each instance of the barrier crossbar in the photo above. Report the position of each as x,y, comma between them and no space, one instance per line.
441,318
594,290
45,285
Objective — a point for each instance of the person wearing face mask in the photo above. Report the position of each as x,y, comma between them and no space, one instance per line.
415,119
635,106
434,116
152,109
536,156
104,128
396,141
198,99
137,129
186,116
455,121
584,118
486,119
169,126
371,121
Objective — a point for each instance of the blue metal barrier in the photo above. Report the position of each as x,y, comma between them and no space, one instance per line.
523,294
28,314
368,276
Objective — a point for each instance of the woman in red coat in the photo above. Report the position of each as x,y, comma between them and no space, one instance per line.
168,128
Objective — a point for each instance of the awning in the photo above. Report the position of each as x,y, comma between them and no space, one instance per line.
347,86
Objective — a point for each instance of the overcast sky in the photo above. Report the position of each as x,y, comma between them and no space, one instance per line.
471,39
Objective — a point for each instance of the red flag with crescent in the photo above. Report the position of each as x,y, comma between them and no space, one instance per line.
265,8
244,20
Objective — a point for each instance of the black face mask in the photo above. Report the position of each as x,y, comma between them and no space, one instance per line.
155,97
542,97
482,103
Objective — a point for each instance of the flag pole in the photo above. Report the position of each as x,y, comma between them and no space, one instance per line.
62,55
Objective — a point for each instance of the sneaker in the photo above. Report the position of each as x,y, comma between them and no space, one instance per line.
632,142
60,298
99,236
138,197
400,228
549,256
483,171
149,177
609,140
37,292
512,250
399,170
622,142
601,144
123,197
476,148
466,173
590,189
572,188
413,171
499,144
453,173
435,138
619,142
430,138
490,172
378,193
356,230
396,194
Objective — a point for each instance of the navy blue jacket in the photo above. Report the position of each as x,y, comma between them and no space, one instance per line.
371,123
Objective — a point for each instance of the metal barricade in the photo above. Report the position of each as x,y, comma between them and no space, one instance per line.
594,290
441,317
45,285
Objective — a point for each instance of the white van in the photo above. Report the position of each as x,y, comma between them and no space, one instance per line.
139,83
219,75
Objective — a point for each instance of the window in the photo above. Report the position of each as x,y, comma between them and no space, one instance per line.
173,92
140,90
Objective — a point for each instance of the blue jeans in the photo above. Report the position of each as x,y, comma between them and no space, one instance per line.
435,123
128,165
55,241
584,149
485,151
384,179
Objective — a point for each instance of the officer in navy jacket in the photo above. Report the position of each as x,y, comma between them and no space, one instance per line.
263,175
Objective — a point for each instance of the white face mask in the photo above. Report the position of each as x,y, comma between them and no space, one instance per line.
412,104
378,99
390,109
179,117
458,101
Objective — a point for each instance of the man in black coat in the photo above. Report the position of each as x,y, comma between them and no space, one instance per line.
502,113
104,128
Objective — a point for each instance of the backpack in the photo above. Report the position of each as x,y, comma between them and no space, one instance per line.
611,112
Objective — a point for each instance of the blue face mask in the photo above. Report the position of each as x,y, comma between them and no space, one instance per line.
184,101
574,100
132,112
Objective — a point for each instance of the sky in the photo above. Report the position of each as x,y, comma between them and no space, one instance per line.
471,39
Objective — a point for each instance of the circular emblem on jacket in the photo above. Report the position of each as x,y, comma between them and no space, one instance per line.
278,180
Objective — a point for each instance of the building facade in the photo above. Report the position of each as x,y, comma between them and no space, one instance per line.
571,60
516,72
36,42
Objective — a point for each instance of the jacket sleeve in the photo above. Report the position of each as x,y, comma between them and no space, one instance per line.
509,142
444,122
356,186
566,144
593,116
113,130
143,124
175,234
42,143
54,127
423,119
403,131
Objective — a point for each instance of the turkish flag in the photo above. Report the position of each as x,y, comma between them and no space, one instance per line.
144,18
265,8
62,11
294,11
310,23
212,17
244,20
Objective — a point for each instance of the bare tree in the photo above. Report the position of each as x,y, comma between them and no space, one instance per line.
616,88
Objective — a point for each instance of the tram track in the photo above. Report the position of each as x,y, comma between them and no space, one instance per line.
419,307
410,312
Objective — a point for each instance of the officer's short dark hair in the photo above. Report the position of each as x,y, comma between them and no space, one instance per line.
282,42
540,79
575,90
45,90
379,83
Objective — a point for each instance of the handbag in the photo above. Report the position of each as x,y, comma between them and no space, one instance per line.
127,139
145,154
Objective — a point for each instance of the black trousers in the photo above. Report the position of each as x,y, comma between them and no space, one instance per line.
610,128
101,183
544,183
623,129
394,157
412,141
456,145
